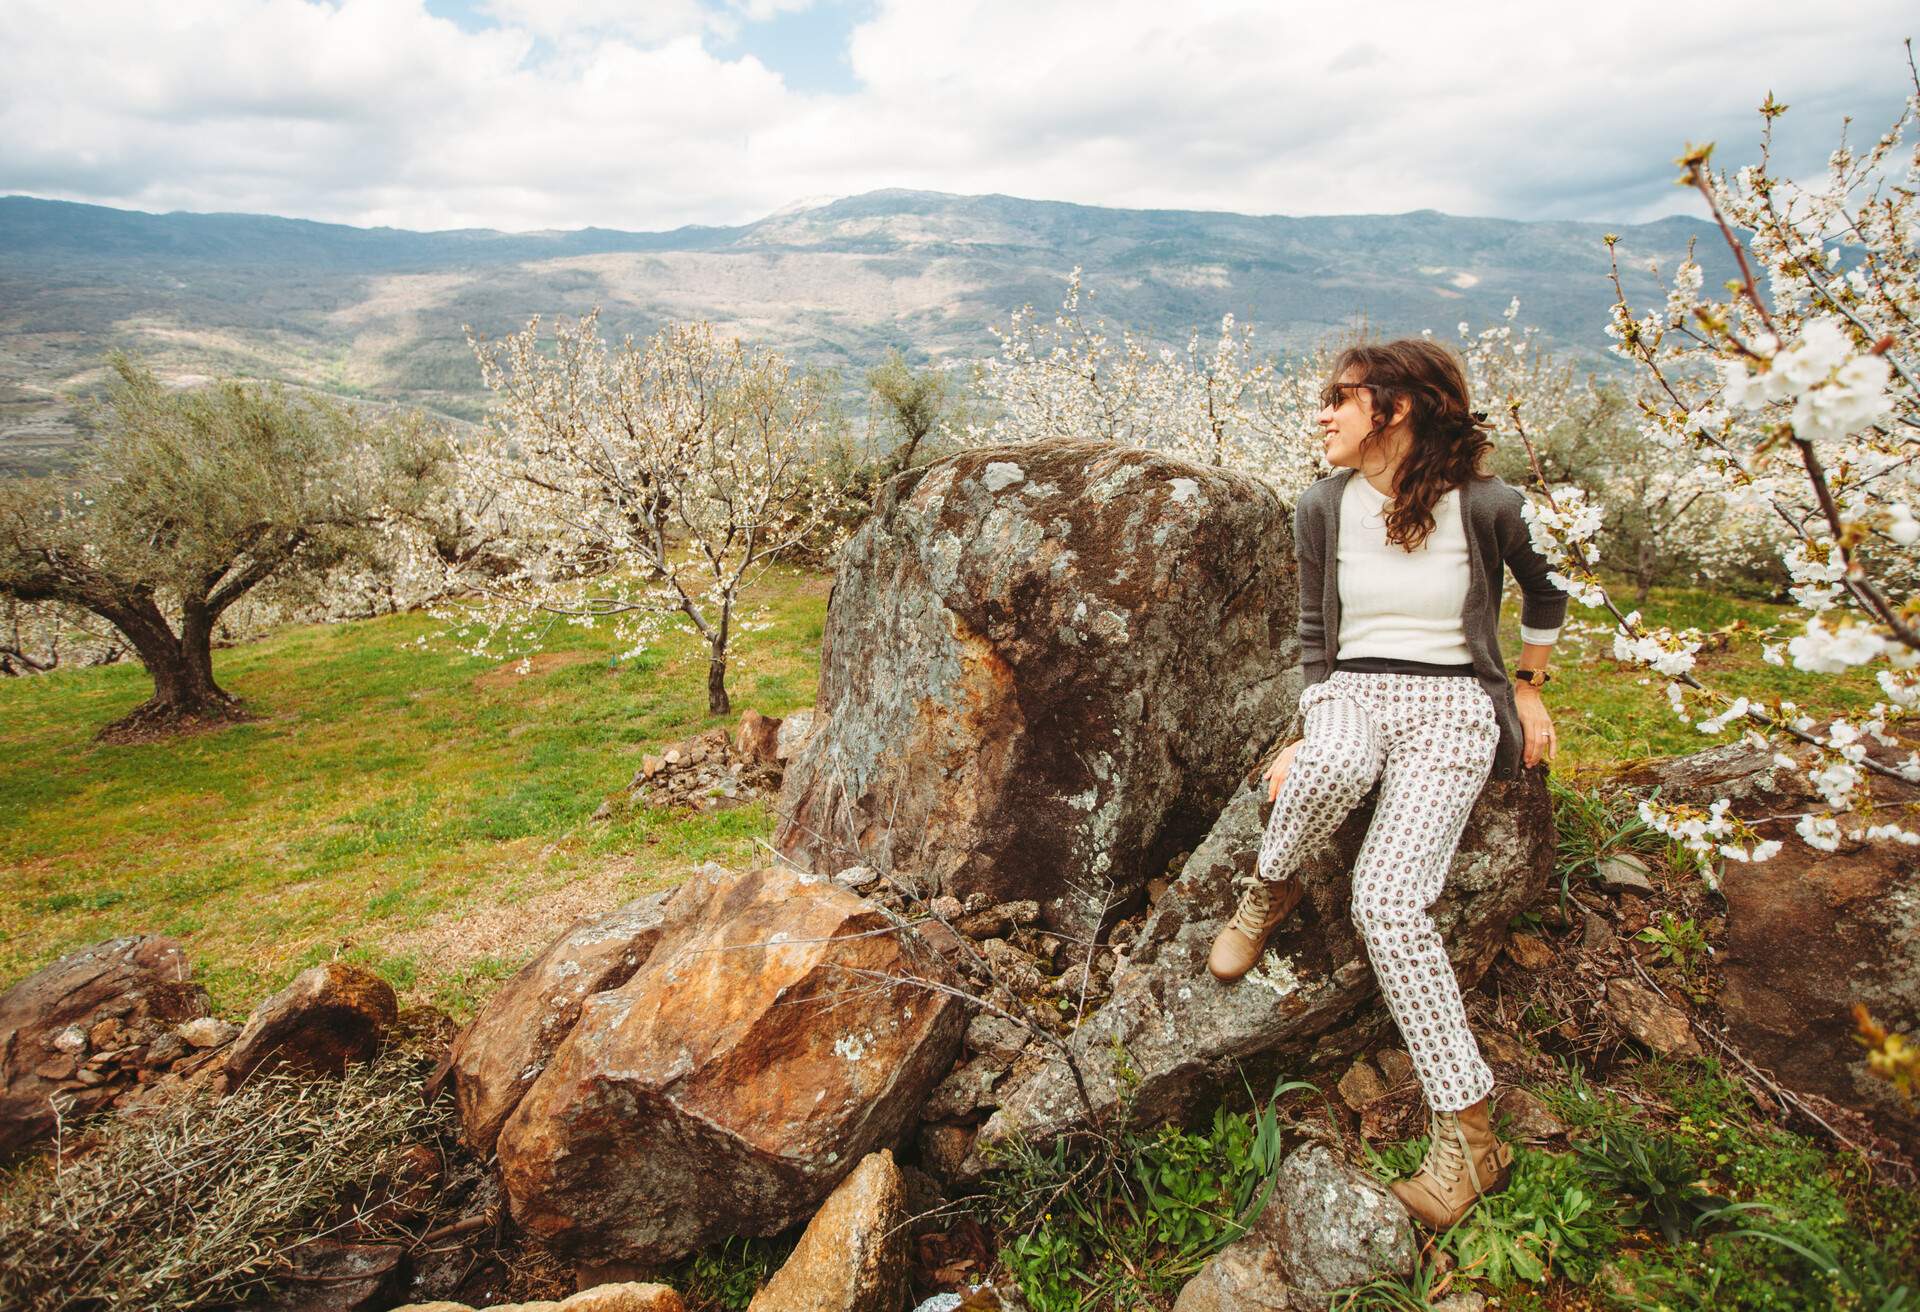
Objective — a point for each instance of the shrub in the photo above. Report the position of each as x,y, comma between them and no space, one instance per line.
188,1208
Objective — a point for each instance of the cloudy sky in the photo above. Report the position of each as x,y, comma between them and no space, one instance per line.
647,114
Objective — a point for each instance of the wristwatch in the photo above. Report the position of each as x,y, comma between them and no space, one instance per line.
1532,678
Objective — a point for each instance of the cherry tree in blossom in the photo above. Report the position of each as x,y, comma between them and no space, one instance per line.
1217,402
644,486
1797,402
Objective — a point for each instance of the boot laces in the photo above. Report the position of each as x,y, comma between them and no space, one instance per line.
1251,916
1446,1155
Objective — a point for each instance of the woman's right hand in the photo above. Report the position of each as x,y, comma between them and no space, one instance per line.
1277,772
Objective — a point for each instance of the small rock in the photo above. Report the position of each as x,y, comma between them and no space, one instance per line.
627,1296
1026,911
943,1148
947,907
1596,935
105,1034
793,734
206,1031
1360,1085
1396,1068
166,1050
856,877
604,811
329,1016
1529,952
72,1039
1526,1117
967,1088
1327,1227
991,923
1624,872
1501,1048
1461,1300
325,1275
1649,1018
942,940
995,1037
1012,967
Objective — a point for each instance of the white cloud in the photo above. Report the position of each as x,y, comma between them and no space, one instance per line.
615,113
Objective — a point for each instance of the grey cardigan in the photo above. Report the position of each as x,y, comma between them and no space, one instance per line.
1496,532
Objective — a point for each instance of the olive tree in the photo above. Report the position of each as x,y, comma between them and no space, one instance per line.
185,502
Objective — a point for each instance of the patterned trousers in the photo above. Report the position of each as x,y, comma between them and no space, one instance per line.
1429,740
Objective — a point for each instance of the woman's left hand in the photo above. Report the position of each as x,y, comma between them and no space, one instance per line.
1541,741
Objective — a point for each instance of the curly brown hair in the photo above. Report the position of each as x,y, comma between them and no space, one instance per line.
1450,441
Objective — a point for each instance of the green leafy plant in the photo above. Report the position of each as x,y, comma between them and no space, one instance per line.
1111,1221
1657,1180
728,1274
1866,1285
1678,939
1590,826
1548,1218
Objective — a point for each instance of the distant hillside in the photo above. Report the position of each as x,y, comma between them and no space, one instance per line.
378,312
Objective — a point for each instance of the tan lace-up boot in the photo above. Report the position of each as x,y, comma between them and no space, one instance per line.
1244,937
1465,1160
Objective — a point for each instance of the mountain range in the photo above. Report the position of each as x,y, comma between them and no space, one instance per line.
378,313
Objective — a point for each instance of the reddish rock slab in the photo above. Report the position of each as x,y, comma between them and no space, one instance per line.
330,1015
1810,933
853,1255
505,1047
1044,670
736,1078
47,1019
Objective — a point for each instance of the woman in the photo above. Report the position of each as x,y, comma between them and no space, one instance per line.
1400,556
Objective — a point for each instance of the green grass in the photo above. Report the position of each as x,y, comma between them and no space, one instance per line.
381,786
1607,713
384,786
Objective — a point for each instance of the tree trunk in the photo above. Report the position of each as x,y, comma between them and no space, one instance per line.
184,691
717,703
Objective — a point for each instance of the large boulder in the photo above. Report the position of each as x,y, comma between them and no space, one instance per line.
69,1031
774,1037
508,1044
1044,669
1312,997
1326,1227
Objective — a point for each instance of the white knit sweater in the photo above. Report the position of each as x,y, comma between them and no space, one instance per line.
1399,603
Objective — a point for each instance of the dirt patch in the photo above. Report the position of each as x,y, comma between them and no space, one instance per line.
515,929
509,673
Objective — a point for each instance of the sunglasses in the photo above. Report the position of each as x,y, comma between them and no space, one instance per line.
1330,395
